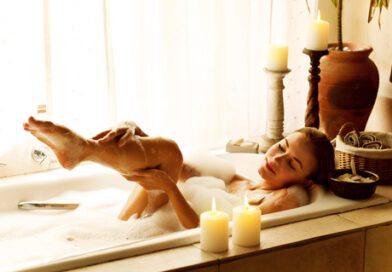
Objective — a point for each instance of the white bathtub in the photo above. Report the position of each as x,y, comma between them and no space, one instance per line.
25,244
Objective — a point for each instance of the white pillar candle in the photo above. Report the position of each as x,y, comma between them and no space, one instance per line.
214,230
277,58
318,35
246,225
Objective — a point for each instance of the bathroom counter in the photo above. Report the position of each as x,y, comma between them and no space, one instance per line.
349,240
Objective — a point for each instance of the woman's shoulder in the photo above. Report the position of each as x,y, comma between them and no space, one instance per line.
297,187
300,193
284,199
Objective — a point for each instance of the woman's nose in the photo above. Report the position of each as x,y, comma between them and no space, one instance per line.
279,157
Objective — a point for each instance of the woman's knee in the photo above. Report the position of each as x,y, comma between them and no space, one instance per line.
172,163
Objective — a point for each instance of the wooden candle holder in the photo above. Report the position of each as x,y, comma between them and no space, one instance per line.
312,109
275,109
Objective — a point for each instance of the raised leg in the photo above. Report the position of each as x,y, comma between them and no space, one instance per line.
139,153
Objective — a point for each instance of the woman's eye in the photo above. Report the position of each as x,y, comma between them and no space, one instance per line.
291,165
281,147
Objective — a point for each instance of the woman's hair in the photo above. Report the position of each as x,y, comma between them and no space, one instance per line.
324,153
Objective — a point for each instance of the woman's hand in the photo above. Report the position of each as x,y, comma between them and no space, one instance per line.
157,179
151,179
125,131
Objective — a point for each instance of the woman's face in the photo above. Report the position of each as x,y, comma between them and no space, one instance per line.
287,162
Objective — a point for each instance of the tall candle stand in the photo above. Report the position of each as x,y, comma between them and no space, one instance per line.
312,109
390,77
275,108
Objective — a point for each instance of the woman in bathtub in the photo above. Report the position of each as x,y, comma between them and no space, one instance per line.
155,163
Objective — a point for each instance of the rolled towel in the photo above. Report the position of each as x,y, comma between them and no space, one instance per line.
365,138
373,145
352,139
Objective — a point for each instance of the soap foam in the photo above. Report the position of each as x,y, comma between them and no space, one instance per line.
199,191
208,165
38,236
28,236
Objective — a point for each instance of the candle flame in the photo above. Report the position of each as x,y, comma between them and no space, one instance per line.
246,201
318,16
213,205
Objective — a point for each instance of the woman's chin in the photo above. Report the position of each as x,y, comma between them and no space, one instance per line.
264,173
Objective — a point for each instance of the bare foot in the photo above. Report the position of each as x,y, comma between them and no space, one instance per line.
68,146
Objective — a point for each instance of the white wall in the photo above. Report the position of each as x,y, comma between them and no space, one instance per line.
356,29
296,83
294,22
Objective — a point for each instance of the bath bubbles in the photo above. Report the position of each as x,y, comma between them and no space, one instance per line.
199,191
208,165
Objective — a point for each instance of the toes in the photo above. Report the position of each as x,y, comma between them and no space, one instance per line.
31,122
26,127
34,123
44,126
31,119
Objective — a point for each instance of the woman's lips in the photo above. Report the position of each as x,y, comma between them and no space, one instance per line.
269,167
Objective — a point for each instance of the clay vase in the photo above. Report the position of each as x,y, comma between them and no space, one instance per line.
347,89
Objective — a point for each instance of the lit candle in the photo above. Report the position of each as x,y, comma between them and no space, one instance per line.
277,58
214,230
318,35
246,225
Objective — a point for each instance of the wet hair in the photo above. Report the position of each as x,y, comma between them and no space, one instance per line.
323,152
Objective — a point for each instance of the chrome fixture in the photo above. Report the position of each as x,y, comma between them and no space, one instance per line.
33,205
42,153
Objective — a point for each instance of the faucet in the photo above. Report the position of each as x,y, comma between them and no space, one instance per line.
40,154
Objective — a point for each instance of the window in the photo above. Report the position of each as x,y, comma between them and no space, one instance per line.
190,70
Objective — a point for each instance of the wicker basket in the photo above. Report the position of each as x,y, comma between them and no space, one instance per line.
378,161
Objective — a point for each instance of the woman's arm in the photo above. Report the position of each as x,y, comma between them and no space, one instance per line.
187,216
153,179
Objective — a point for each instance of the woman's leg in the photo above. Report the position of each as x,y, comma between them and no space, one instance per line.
139,200
136,203
72,149
140,153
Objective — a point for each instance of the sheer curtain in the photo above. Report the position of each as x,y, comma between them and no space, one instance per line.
191,70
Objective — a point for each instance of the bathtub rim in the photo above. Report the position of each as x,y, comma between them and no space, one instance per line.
166,241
